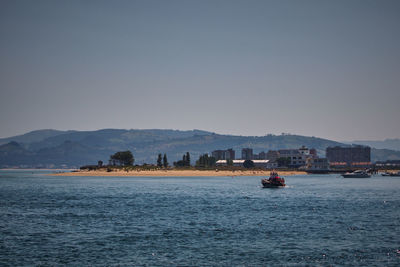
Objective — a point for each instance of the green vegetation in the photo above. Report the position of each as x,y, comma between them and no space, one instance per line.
165,161
205,161
187,159
122,158
185,162
159,161
248,164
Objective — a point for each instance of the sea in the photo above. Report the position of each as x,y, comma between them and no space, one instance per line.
317,220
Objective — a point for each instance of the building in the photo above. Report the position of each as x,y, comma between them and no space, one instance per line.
272,155
352,156
263,164
230,154
317,164
218,154
262,155
235,163
313,153
297,158
304,151
247,153
223,154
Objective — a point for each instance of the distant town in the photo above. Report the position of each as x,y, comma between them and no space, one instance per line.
306,159
300,158
54,149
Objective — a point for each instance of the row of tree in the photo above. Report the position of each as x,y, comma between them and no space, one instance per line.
185,162
205,161
122,158
162,161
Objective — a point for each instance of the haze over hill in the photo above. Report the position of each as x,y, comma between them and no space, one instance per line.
51,148
393,144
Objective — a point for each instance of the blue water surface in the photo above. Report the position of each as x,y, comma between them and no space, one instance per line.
318,220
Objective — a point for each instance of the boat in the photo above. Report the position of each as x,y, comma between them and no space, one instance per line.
356,174
392,174
317,171
274,181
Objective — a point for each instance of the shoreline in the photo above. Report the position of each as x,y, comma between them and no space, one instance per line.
176,173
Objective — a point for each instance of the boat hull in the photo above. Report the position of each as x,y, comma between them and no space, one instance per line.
318,171
356,176
268,184
272,186
391,174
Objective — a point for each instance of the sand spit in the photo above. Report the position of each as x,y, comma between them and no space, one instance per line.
176,173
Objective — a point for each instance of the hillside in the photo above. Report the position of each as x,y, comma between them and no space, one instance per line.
50,148
391,144
34,136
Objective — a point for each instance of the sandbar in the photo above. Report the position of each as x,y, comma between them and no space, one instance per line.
176,173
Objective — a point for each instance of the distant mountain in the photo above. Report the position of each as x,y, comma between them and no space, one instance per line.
34,136
392,144
16,155
384,154
51,148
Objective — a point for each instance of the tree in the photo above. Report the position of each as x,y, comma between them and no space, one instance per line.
165,161
185,162
122,158
180,163
159,161
229,162
187,159
248,163
205,161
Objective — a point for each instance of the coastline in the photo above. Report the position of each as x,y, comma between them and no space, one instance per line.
176,173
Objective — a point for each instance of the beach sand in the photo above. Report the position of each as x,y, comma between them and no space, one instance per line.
177,173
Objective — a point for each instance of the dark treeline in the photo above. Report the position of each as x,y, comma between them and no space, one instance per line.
162,161
185,162
122,158
205,161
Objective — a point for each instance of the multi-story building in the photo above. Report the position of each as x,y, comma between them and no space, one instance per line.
349,156
230,154
313,153
317,164
218,154
262,155
264,164
247,153
296,157
304,151
272,155
223,154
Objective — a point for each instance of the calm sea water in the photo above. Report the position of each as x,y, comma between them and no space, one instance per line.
317,220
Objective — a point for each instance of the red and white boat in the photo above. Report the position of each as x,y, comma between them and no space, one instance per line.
274,181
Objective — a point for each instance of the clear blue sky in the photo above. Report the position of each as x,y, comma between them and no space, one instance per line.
320,68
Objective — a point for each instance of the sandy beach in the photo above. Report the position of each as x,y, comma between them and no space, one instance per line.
176,173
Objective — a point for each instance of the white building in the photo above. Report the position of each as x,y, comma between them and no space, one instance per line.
296,157
258,163
315,164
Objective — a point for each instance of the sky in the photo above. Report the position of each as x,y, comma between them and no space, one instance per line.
329,69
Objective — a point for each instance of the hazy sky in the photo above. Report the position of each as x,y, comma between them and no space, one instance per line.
320,68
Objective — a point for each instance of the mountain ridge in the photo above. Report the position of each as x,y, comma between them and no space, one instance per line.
391,143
